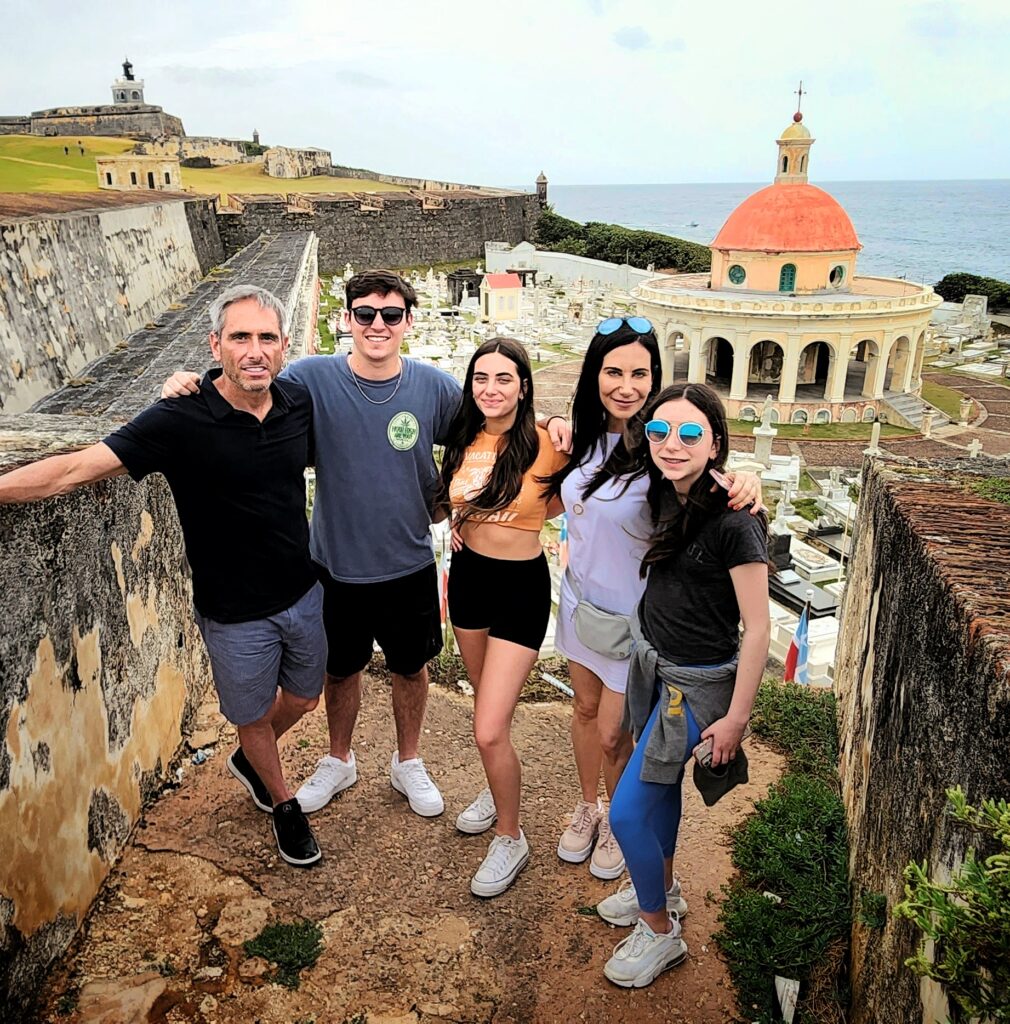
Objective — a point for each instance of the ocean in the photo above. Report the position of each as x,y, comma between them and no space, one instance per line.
919,230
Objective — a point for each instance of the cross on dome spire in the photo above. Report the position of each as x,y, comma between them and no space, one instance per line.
799,102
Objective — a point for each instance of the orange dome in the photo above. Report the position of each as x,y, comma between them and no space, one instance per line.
788,218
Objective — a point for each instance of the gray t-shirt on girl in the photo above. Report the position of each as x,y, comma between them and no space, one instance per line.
375,472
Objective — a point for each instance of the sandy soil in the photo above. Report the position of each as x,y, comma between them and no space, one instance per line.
404,939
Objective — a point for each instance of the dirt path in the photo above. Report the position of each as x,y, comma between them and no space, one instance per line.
404,939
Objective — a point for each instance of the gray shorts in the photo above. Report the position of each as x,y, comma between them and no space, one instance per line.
251,659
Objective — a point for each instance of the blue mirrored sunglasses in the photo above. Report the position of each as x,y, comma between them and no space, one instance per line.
689,434
638,324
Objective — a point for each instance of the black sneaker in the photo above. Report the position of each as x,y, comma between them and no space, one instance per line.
239,766
295,841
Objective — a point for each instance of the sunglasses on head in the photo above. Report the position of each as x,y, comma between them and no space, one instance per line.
638,324
365,315
689,434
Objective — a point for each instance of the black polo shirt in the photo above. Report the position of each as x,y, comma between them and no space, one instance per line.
239,488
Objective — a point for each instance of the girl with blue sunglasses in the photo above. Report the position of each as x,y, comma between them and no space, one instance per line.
608,524
691,678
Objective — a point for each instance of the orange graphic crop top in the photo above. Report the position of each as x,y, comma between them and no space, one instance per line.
529,509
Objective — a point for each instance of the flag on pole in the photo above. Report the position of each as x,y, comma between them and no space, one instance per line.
443,586
796,658
563,542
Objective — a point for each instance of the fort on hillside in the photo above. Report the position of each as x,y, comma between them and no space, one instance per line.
128,115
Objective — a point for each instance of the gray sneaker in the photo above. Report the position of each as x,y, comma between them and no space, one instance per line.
622,907
479,816
640,958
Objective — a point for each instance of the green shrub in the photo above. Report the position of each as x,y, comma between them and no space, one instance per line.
968,919
616,244
799,722
795,848
954,287
290,946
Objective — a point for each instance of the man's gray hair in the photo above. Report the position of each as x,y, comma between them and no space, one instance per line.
238,292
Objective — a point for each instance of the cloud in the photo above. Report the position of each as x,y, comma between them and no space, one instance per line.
675,45
239,77
940,23
633,37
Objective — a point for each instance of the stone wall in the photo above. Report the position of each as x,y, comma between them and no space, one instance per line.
217,152
923,682
429,184
391,229
284,162
137,120
74,285
102,671
15,125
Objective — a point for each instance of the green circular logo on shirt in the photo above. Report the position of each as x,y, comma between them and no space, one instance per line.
403,431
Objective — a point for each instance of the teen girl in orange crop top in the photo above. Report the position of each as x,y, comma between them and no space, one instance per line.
494,471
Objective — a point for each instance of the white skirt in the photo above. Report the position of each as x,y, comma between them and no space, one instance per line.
613,673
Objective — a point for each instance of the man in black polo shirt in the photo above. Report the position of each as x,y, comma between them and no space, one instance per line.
234,455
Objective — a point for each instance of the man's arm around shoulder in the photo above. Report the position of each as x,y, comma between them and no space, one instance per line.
60,474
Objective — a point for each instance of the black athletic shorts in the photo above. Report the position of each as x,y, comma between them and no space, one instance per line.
401,615
511,600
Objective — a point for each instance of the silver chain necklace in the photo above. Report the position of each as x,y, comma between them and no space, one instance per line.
361,390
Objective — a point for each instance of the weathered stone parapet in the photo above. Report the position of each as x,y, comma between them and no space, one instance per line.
923,681
101,671
386,229
286,162
74,285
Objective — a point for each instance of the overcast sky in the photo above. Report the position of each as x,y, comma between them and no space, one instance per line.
591,91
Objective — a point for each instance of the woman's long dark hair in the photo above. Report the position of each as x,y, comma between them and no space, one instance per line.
589,417
675,523
517,447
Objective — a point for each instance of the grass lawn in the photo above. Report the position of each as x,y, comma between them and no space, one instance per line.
30,163
823,431
947,400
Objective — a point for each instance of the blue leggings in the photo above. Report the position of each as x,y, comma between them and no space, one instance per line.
645,818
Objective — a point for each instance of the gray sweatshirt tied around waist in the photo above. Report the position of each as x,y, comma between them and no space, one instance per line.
707,689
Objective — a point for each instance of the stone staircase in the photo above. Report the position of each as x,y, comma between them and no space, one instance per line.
910,408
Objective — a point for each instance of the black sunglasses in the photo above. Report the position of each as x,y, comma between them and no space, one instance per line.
365,315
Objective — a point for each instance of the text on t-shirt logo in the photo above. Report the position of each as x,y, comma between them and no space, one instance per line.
402,431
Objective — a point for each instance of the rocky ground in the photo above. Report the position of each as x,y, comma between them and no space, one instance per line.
403,939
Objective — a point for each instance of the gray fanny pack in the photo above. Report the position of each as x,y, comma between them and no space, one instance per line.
606,633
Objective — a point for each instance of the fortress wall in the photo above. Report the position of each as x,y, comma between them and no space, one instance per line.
429,184
219,152
140,122
404,232
923,683
73,286
103,669
285,162
15,125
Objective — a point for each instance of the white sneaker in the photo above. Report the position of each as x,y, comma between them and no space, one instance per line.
640,958
330,777
506,857
479,816
412,780
622,907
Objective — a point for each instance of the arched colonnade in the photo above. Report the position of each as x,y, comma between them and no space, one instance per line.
836,369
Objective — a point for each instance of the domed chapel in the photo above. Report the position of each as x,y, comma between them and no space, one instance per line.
783,311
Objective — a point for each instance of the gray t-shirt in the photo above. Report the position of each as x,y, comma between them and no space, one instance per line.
375,473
